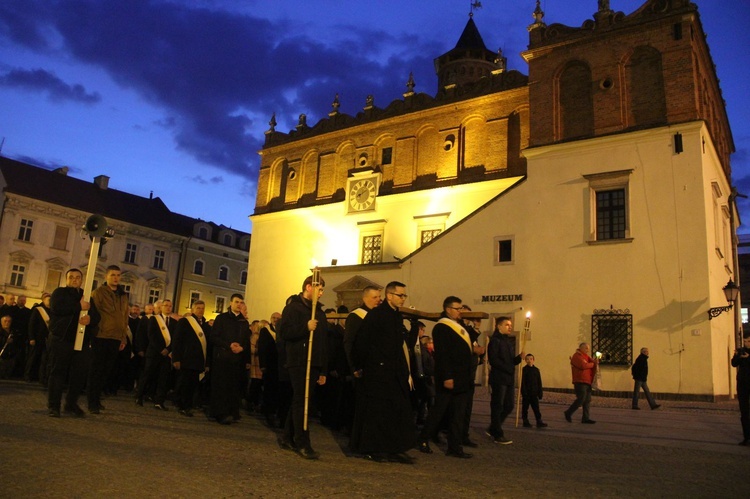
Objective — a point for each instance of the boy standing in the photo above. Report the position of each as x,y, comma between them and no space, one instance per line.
531,392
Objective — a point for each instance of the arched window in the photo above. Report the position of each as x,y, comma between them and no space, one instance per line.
228,240
203,233
645,80
198,267
223,273
243,277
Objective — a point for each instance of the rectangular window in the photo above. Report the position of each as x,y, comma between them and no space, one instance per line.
61,237
387,156
426,236
612,335
131,250
154,295
24,230
610,214
219,304
159,256
17,273
194,297
504,251
125,287
372,249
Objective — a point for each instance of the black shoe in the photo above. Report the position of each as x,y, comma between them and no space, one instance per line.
567,417
227,420
655,407
139,402
74,410
188,414
400,458
541,424
636,408
424,447
286,444
161,407
460,454
502,441
588,421
526,424
54,413
308,453
467,442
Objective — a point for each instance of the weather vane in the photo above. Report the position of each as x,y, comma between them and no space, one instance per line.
475,4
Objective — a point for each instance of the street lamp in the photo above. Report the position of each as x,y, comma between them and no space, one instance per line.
731,290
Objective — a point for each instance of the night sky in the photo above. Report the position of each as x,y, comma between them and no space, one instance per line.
174,96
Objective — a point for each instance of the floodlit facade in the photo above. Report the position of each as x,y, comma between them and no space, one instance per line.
595,194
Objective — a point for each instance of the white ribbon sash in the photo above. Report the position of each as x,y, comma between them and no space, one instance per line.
199,333
455,326
164,330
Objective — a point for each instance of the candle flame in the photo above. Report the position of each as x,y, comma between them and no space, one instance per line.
528,315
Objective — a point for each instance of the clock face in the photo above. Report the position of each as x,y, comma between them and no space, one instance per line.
362,195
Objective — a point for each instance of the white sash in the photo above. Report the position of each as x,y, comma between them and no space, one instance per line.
199,333
455,326
408,363
44,314
164,330
130,338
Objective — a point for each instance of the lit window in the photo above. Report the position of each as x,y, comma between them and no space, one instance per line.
372,249
428,235
220,300
612,335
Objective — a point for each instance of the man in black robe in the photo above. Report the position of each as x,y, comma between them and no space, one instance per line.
158,367
297,324
67,363
230,337
36,365
454,356
384,418
268,360
189,353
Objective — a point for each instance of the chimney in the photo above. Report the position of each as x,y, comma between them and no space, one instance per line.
63,170
102,182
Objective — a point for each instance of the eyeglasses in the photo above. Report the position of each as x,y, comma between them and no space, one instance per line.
456,308
400,295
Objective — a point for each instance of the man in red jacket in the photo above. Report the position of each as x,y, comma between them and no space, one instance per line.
583,369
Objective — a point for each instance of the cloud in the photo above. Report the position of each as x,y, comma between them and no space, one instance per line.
200,66
45,81
198,179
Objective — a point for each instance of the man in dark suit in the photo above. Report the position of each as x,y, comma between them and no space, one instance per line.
268,360
454,355
189,354
161,329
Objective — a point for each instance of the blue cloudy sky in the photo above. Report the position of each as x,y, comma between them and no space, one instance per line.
174,96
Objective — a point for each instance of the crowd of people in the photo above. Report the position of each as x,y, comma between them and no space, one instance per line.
388,387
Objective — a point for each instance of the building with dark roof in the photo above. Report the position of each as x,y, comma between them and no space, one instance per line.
41,236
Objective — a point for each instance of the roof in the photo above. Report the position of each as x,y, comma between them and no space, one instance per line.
470,38
56,187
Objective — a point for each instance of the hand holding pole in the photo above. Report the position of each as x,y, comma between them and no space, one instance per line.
314,299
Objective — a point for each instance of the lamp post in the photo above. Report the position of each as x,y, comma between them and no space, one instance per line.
731,290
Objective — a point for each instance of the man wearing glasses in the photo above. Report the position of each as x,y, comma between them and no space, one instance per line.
380,351
454,355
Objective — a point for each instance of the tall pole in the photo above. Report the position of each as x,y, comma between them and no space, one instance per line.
525,332
96,243
315,287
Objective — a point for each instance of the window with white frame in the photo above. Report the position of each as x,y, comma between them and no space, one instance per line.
154,295
228,240
194,297
609,206
198,267
429,227
504,250
24,230
17,274
223,273
159,257
131,250
220,300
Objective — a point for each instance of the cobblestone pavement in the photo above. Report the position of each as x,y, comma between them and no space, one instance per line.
681,450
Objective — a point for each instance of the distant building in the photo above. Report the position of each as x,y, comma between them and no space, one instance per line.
595,193
41,236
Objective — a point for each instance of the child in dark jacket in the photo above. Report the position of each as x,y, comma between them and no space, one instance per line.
531,392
